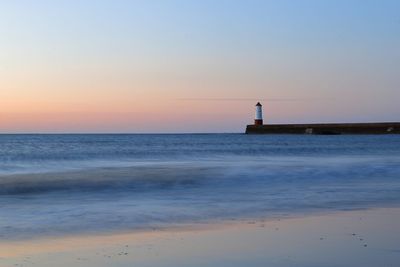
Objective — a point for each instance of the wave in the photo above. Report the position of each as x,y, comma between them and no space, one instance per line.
107,179
163,194
264,172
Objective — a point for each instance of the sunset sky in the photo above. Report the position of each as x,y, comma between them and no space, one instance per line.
195,66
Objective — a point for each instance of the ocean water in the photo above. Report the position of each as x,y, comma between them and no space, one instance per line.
81,184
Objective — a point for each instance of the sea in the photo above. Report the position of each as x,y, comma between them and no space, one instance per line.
69,184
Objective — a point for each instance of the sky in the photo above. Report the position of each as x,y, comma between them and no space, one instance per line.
168,66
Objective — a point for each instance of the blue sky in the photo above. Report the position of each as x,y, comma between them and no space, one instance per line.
340,59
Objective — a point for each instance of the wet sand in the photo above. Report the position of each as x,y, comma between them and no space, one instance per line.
349,238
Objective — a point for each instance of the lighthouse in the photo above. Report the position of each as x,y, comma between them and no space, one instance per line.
259,119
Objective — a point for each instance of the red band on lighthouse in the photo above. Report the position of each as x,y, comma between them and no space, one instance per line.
258,119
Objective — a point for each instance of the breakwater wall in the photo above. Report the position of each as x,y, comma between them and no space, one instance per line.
326,128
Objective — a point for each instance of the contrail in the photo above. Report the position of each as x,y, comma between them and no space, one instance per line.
246,99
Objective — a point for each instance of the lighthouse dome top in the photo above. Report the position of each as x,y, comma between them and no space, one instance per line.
258,104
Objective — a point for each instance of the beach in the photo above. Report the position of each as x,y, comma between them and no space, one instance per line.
350,238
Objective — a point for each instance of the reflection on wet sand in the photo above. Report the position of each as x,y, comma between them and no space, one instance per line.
351,238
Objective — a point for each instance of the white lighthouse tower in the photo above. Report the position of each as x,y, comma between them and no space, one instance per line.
259,119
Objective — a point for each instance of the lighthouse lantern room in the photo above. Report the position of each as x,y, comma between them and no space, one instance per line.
258,119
